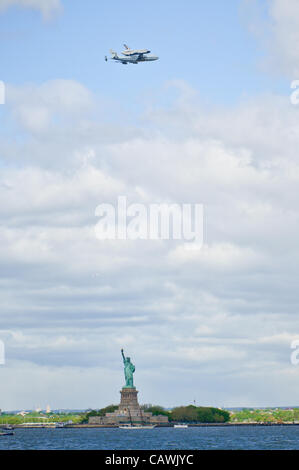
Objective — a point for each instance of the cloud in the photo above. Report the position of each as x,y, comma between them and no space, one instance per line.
220,318
36,108
47,7
285,34
277,30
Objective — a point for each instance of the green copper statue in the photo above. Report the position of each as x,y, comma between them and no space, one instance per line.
129,370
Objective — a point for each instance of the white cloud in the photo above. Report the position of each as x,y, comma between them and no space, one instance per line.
285,31
37,108
46,7
278,33
219,257
70,301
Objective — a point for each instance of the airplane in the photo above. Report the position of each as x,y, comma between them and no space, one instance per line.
132,56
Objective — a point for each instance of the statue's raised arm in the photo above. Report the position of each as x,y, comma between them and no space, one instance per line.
122,353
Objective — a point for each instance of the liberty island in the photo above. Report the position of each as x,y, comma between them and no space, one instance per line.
129,410
130,414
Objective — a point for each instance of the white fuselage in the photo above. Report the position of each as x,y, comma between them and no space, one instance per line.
129,52
147,58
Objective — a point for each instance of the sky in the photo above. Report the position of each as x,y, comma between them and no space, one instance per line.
211,122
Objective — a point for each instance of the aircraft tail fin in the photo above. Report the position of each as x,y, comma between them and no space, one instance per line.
114,54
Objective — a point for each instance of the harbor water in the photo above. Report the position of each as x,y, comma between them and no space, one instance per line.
202,438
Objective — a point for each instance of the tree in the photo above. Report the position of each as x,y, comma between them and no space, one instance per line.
100,412
155,410
200,414
184,413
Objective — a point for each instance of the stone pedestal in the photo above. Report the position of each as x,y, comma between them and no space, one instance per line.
129,406
128,400
128,412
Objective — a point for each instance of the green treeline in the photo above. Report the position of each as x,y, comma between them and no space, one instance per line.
100,412
40,418
193,414
199,414
188,414
267,415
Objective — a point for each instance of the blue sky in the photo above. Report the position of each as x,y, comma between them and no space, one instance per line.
206,44
211,122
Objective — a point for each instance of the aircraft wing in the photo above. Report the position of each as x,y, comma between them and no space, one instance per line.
134,59
128,60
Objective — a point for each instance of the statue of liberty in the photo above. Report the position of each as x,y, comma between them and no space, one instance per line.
129,370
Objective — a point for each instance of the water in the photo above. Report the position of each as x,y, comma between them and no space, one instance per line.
211,438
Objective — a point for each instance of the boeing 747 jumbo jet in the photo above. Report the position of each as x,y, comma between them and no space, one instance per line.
132,56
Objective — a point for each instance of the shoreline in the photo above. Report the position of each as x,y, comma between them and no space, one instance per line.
193,425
